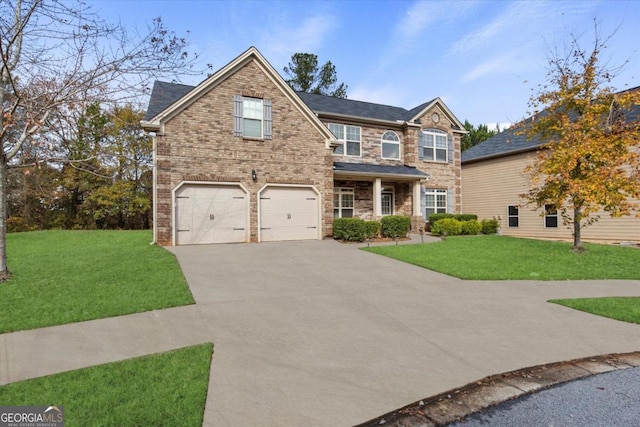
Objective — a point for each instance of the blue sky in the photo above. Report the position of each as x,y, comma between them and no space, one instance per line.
482,58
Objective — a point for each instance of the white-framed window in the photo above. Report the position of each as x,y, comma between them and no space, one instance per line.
252,117
433,145
390,145
513,218
349,138
435,201
550,216
343,202
387,201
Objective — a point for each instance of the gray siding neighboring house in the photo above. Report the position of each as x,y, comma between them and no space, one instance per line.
493,180
242,157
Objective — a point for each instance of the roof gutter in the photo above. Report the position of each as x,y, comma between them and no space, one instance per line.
359,119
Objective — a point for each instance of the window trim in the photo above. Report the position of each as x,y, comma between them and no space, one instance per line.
427,139
550,213
515,216
266,121
344,142
340,191
435,192
384,141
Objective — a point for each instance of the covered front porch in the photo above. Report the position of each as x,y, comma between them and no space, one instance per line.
371,192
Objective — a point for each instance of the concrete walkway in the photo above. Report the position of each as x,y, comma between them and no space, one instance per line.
319,333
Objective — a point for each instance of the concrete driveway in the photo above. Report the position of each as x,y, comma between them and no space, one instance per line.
322,334
319,333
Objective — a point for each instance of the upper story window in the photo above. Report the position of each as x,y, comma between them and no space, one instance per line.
434,146
349,139
252,117
390,145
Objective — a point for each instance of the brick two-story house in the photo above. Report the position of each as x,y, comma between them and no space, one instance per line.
242,157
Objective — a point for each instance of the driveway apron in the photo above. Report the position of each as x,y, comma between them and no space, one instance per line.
318,333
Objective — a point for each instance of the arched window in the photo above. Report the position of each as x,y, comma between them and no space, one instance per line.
390,145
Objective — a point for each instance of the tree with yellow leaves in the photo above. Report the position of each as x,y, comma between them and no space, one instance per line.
590,159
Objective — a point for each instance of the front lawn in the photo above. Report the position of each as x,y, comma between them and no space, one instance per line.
167,389
508,258
62,277
626,309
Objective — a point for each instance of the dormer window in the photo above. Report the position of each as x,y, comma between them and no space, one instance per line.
390,145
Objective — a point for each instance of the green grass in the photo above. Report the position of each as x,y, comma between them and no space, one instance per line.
626,309
62,277
166,389
508,258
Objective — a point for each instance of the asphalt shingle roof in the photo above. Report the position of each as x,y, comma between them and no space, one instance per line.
164,94
378,169
349,107
509,142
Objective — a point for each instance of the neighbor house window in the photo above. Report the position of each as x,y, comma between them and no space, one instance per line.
435,201
387,202
343,202
433,145
348,137
550,216
252,117
390,145
512,216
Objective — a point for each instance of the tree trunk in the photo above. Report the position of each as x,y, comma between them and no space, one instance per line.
4,271
577,238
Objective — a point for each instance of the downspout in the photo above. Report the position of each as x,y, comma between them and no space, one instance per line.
154,191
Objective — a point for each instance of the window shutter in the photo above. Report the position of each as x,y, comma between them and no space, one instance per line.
450,201
421,143
237,115
423,203
268,131
450,147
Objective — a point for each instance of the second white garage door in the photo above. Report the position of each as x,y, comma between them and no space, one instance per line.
211,214
289,213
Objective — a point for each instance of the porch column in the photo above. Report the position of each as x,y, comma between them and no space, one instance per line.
416,198
377,198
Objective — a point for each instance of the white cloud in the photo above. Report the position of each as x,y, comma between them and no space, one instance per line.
491,67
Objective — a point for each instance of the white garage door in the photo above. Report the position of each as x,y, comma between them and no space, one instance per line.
289,213
211,214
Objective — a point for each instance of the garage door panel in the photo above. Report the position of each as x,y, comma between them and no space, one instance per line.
288,213
211,214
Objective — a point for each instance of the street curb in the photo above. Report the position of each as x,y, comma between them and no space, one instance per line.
455,404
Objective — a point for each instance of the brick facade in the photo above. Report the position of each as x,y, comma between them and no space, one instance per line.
198,145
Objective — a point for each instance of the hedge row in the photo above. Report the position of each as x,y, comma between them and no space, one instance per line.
453,227
358,230
460,217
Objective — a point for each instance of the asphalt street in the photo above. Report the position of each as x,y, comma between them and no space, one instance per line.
611,399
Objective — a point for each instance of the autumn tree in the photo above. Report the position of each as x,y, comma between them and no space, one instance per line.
57,56
475,135
305,75
589,159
